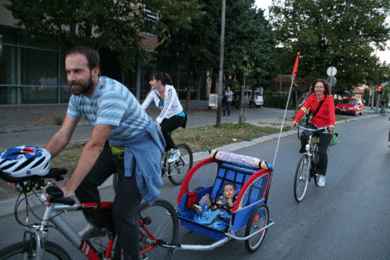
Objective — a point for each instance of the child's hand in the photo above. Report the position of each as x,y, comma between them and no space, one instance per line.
230,203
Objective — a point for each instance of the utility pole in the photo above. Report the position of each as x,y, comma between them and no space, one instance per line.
220,79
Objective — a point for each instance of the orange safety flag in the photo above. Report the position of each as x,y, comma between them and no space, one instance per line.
296,66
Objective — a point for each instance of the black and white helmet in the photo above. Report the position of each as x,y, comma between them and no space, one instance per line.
25,161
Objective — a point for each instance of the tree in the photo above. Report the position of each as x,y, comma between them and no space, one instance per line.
115,24
340,33
195,50
250,47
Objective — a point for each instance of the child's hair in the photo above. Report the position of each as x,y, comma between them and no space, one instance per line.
229,183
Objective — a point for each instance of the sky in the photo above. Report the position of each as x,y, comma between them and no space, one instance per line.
383,55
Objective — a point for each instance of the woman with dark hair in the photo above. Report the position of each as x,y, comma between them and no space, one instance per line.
324,117
172,115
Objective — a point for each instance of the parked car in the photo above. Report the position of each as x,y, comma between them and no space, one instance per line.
350,106
257,101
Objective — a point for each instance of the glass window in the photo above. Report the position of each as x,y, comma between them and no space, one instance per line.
63,79
8,95
8,75
26,40
39,95
152,18
129,80
39,67
146,71
64,94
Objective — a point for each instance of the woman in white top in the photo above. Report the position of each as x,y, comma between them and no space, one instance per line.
172,115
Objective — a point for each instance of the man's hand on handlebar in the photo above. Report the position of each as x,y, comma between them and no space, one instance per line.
66,193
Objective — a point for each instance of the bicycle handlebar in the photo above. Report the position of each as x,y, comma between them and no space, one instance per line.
325,128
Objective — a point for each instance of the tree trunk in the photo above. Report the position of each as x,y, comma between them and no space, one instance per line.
188,96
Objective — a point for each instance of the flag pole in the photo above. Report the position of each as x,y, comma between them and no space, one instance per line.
294,74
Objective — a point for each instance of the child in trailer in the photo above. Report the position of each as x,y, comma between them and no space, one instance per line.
216,215
224,202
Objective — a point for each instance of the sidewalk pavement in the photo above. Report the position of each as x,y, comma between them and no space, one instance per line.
39,117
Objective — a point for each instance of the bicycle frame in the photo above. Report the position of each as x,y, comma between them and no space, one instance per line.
52,214
310,147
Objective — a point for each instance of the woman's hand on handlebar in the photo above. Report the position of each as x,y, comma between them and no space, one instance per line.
331,127
293,123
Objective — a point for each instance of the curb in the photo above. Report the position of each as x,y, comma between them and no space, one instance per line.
7,206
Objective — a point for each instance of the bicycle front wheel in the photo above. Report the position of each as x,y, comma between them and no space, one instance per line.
301,180
26,250
178,170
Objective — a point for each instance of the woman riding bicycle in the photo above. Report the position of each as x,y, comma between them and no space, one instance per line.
172,115
324,117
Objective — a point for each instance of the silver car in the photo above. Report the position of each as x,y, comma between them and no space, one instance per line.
257,101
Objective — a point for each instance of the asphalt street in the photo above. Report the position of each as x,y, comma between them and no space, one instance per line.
345,220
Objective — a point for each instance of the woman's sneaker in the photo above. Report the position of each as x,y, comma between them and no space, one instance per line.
175,154
321,181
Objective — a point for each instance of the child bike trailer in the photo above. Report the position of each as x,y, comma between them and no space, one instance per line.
249,218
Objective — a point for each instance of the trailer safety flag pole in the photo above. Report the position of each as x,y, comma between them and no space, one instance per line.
294,74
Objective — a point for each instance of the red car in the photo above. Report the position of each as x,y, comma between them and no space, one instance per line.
350,106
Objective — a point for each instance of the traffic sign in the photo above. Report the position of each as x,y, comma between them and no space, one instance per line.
332,81
331,71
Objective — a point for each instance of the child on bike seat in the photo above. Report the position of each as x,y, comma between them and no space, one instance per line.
224,202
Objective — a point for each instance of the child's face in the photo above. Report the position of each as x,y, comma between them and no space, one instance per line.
229,191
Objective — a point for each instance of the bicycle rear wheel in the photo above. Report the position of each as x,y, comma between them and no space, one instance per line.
301,180
26,250
178,170
161,224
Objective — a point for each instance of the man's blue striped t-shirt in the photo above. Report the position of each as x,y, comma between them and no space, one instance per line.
111,104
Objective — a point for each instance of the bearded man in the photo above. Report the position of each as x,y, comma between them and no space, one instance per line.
120,124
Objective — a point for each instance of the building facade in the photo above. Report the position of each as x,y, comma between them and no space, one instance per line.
34,73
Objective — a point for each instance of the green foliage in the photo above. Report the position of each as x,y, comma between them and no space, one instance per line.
115,24
332,33
249,44
195,50
277,99
366,96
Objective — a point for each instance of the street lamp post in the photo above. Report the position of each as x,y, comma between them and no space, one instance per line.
220,79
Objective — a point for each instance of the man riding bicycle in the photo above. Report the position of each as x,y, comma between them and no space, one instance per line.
324,117
119,123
